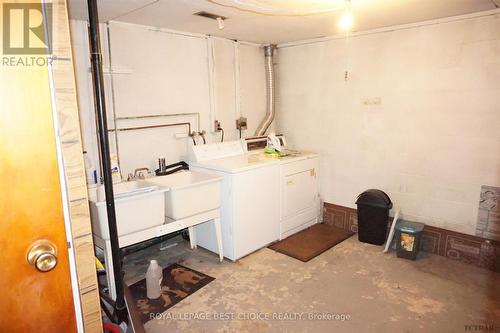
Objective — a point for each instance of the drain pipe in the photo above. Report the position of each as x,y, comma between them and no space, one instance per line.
268,119
100,105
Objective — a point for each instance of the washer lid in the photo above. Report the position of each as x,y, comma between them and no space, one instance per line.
238,163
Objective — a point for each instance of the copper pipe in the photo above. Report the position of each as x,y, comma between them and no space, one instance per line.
151,126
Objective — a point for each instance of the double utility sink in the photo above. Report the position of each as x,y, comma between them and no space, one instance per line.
148,203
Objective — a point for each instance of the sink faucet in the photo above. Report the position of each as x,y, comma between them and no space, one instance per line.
138,173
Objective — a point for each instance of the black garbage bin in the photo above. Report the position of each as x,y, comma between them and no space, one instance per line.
373,216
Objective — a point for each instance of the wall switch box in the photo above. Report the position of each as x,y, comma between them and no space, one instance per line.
241,123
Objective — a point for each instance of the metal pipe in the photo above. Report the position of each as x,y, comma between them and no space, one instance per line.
112,85
150,126
197,114
190,133
269,117
100,105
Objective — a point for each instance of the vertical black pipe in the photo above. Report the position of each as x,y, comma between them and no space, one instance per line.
100,105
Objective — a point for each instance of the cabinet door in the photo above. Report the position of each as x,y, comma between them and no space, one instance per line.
299,192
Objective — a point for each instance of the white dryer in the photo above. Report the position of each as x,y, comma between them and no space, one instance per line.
300,202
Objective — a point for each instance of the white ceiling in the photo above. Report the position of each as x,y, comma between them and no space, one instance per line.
260,28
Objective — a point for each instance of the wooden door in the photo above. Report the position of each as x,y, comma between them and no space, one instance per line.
31,208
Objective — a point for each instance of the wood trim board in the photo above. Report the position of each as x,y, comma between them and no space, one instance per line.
469,249
69,132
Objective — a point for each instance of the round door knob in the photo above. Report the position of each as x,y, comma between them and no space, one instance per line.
43,255
46,262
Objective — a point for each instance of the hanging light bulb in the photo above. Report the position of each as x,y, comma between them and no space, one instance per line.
345,24
347,19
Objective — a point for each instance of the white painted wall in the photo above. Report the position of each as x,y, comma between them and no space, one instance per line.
419,117
252,86
165,73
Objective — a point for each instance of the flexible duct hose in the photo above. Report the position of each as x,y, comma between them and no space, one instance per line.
268,119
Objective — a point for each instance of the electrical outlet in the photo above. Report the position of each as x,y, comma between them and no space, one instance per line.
241,123
217,126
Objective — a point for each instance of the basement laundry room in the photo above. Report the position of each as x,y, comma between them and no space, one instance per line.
250,166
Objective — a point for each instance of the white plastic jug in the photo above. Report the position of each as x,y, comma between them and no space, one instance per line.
154,275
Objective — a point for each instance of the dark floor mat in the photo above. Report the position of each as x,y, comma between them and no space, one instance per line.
311,242
178,283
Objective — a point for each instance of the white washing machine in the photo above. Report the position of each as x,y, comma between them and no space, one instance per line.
250,202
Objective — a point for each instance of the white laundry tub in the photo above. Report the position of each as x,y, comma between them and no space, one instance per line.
138,206
189,193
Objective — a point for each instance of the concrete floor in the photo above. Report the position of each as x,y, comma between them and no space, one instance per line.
379,292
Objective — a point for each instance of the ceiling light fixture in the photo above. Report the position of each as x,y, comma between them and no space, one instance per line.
346,20
220,19
345,23
220,23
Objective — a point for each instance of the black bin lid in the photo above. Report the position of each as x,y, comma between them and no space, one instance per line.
376,198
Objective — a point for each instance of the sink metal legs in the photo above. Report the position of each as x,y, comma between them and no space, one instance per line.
192,237
110,273
105,246
218,235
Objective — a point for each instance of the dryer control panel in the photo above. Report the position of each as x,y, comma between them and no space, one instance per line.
213,151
